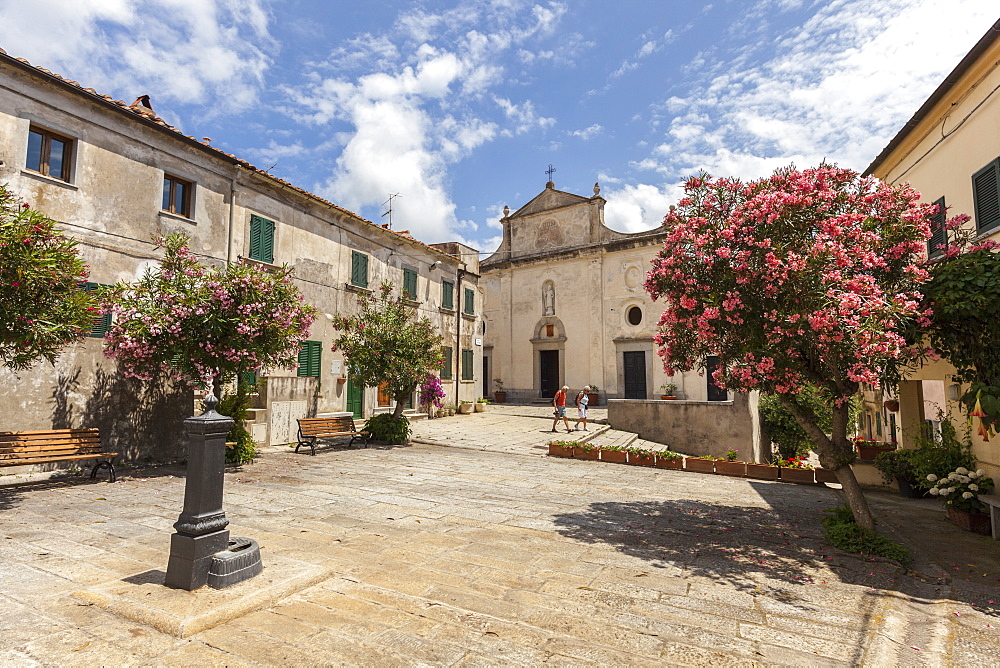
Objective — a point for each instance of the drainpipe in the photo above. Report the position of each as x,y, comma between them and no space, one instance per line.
232,217
458,334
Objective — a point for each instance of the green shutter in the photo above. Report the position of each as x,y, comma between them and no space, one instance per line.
102,323
359,269
446,365
447,294
939,235
310,356
410,283
986,196
467,362
261,239
470,301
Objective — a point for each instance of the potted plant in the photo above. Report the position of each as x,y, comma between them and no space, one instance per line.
641,456
614,453
465,407
703,464
667,391
729,465
561,448
595,396
499,394
762,471
891,405
667,459
960,492
931,456
586,451
869,449
898,465
795,469
825,475
481,404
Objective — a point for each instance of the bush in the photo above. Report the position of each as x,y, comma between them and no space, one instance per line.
896,464
388,429
235,406
939,458
842,532
780,425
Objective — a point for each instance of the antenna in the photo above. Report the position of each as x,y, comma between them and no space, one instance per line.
389,212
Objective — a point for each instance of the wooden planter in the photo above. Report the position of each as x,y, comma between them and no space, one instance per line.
762,471
580,453
869,452
735,469
699,465
560,451
974,522
664,463
642,460
825,475
798,475
614,456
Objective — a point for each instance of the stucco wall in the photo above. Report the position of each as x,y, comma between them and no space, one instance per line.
694,427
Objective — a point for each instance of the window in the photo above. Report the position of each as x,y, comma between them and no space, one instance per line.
102,323
634,315
359,269
470,301
177,195
446,365
447,294
939,235
261,239
310,355
49,153
468,373
410,283
986,196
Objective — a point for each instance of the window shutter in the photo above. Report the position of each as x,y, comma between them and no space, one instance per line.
447,294
467,362
261,239
470,301
102,323
255,225
446,366
267,241
986,196
939,235
410,283
359,269
310,356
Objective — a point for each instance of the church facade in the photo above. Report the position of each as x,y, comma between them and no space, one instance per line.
564,304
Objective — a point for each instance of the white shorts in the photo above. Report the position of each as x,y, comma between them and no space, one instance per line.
582,412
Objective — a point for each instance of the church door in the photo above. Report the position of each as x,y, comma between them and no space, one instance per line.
715,393
548,368
634,364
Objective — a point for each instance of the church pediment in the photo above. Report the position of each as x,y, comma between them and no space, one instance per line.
547,200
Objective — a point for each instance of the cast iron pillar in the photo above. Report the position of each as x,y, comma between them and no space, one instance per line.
201,527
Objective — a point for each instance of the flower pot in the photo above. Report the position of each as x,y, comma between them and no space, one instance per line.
825,475
465,408
480,407
642,460
699,465
798,475
665,463
762,471
735,469
974,522
618,457
556,450
580,453
891,405
869,452
667,397
908,489
499,397
595,399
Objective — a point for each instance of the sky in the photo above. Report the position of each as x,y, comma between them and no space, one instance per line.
460,106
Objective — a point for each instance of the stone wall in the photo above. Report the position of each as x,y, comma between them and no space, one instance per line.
694,427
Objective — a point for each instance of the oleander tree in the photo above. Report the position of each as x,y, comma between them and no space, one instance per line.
807,277
385,342
42,305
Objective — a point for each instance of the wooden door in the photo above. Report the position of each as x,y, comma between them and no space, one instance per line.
634,365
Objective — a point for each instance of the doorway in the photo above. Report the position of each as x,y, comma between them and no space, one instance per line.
355,399
715,393
548,372
486,377
634,365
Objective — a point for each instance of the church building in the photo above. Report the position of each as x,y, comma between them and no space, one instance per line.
564,304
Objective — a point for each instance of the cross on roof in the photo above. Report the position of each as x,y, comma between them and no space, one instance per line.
550,170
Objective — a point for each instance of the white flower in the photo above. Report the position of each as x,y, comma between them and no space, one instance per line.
967,495
962,470
931,477
934,491
974,487
964,479
980,473
951,490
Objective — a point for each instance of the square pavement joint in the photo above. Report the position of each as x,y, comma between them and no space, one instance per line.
143,598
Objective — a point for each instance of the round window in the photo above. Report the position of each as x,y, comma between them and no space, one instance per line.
634,315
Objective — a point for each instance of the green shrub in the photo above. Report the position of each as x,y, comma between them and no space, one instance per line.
388,429
941,457
235,406
780,425
896,464
842,532
670,455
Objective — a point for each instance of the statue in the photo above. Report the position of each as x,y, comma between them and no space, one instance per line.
549,298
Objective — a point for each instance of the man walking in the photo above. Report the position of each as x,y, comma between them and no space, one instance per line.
582,400
559,403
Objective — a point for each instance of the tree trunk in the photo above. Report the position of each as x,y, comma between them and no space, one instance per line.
398,410
836,454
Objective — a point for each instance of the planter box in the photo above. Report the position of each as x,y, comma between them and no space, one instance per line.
499,397
798,475
465,408
614,456
735,469
825,475
642,460
480,407
869,452
560,451
580,453
699,465
974,522
762,471
664,463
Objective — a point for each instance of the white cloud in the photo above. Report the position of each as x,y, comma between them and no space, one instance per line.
522,116
588,132
635,208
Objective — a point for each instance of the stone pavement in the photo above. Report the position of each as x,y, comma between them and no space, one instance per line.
482,556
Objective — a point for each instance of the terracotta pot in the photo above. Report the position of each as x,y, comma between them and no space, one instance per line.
614,456
580,453
642,460
798,475
869,452
891,405
762,471
500,397
664,463
735,469
560,451
974,522
825,475
699,465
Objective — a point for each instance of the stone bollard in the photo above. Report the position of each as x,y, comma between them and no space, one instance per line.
201,551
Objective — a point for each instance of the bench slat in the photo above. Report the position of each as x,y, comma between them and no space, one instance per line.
48,444
22,461
51,433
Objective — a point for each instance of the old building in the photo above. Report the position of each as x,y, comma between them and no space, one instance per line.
950,152
115,175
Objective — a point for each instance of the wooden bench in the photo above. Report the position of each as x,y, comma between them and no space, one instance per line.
994,504
20,448
311,429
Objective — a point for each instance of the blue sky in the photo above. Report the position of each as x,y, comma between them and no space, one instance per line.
460,105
